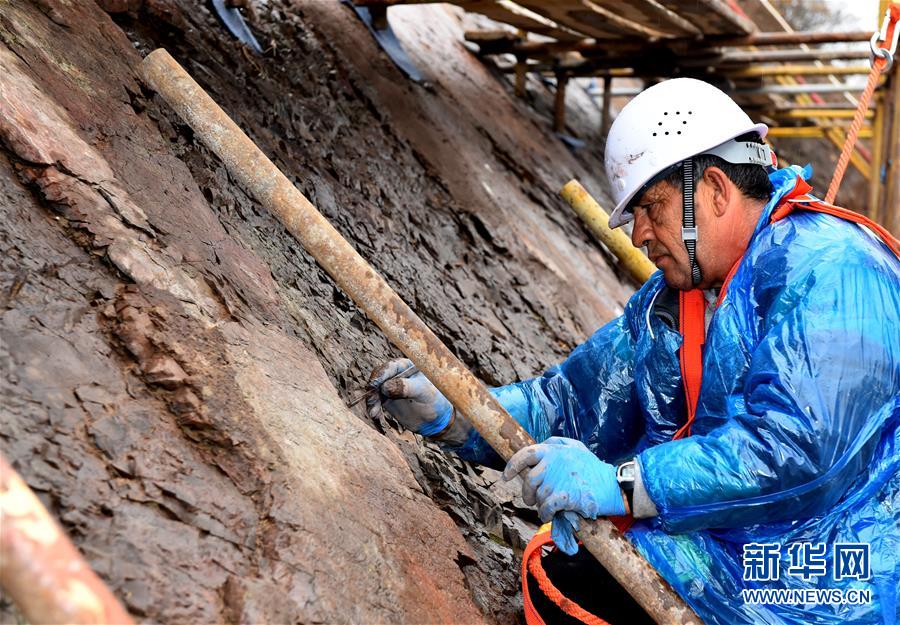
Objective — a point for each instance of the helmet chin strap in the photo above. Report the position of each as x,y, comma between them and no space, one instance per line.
688,225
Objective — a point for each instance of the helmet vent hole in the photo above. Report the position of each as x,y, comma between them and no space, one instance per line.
667,133
679,132
654,134
665,112
684,122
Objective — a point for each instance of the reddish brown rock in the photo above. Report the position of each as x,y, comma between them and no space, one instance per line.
175,369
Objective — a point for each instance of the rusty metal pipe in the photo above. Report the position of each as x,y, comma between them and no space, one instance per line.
42,571
258,175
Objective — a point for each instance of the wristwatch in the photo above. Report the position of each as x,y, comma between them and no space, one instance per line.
625,475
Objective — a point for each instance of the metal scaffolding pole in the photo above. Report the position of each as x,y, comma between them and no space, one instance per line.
766,89
811,132
797,70
538,49
42,571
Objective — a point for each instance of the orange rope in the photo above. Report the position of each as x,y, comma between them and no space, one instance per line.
552,592
855,126
878,65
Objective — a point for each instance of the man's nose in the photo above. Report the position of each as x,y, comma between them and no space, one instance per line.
641,233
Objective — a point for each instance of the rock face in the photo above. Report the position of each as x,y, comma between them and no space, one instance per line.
175,369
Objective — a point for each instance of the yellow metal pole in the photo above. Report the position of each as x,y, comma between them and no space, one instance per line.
797,70
812,132
892,173
617,241
813,113
835,135
889,156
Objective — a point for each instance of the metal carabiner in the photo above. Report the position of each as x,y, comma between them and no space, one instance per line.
881,36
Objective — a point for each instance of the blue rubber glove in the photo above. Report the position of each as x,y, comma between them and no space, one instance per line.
414,401
564,479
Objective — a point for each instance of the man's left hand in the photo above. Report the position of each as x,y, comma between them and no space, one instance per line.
563,478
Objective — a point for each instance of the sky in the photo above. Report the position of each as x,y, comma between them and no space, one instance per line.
865,12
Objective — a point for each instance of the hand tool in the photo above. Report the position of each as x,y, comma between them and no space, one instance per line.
406,373
231,17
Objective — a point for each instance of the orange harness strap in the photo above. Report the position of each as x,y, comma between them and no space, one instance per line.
691,322
807,202
531,562
799,199
534,547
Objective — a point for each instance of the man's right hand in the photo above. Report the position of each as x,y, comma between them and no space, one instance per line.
414,401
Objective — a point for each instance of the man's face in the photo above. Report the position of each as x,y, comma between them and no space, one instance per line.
657,226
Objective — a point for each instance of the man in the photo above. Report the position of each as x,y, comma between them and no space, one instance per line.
787,452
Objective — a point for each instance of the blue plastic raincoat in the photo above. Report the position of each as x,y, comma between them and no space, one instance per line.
796,433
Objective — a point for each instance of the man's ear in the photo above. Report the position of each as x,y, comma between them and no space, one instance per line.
721,190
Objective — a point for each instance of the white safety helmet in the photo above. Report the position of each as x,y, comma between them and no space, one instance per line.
668,123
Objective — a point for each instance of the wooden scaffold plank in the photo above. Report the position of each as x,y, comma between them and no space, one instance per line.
713,17
597,27
652,14
515,14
